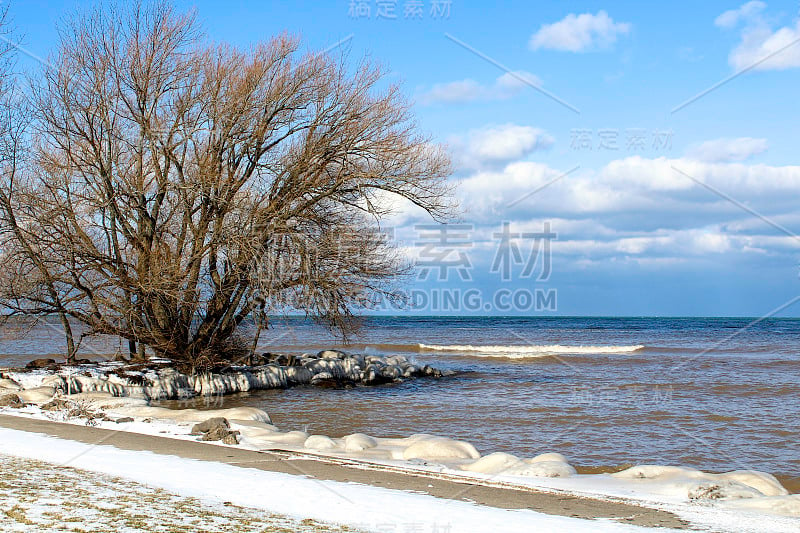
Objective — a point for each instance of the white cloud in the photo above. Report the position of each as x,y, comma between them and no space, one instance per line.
746,12
497,145
728,150
469,90
577,33
761,47
764,50
623,191
635,209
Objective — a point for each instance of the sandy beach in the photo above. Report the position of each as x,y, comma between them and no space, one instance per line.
101,422
319,467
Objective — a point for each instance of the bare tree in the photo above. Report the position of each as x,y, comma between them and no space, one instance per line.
180,187
26,285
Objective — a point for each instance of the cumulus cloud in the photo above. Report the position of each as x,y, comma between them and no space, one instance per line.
492,146
634,209
728,150
469,90
620,192
578,33
761,47
746,12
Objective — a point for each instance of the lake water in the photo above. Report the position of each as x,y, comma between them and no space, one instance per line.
712,393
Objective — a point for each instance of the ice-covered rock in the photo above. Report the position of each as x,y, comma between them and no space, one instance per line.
707,486
9,384
653,472
766,484
358,442
788,505
298,375
328,368
721,490
331,354
545,465
320,443
542,469
551,456
140,409
494,463
37,395
438,448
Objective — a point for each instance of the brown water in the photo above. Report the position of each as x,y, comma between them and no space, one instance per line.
716,394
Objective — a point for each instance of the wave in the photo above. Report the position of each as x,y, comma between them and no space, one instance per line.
521,352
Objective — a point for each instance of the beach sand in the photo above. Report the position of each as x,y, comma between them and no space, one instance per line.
324,468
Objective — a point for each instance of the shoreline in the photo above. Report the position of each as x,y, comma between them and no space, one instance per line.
416,464
600,498
350,471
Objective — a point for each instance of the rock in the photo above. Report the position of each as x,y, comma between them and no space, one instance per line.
411,371
55,404
396,360
494,463
295,438
724,490
547,457
320,443
210,424
321,376
331,354
123,420
298,375
218,433
41,363
9,384
231,438
373,375
542,469
438,448
431,372
766,484
390,372
11,400
214,429
37,395
358,442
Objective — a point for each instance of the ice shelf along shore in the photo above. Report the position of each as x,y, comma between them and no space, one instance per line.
162,382
113,401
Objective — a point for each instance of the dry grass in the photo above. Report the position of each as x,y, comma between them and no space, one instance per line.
38,496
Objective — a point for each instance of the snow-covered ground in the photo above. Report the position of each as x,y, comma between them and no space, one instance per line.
40,496
733,501
358,506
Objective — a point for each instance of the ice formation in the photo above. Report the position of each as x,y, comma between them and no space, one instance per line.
167,383
748,490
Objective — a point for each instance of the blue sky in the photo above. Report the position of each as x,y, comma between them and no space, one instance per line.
661,211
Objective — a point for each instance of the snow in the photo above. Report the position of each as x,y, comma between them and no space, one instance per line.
734,501
361,506
40,496
167,383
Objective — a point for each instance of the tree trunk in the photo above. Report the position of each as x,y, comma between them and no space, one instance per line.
70,338
141,356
